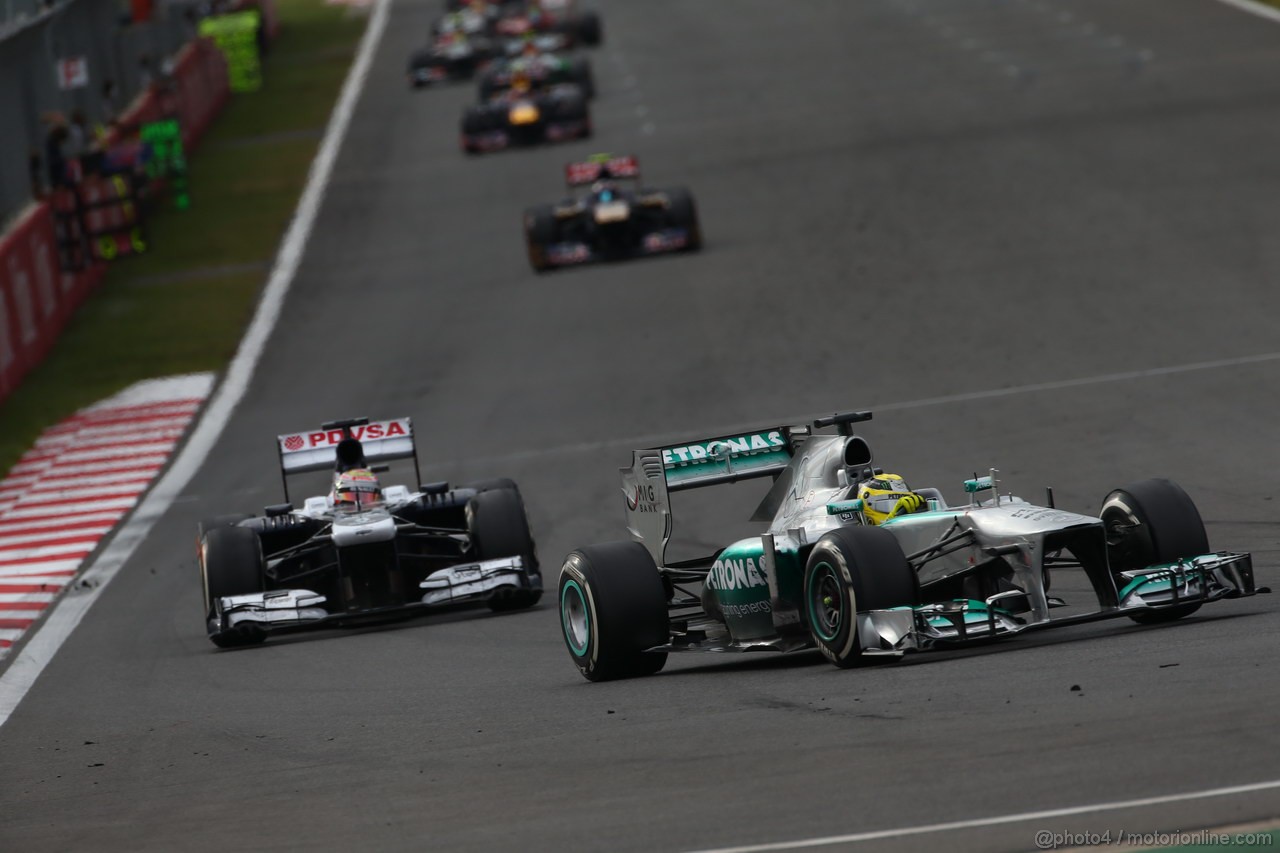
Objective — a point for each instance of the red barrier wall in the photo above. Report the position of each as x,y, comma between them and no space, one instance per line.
36,297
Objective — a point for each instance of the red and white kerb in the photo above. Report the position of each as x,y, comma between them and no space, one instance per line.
75,484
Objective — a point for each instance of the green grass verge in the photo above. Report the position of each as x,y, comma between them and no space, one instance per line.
183,306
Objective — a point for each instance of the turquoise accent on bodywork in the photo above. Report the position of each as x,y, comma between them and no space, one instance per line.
977,612
841,507
740,582
981,484
717,457
919,516
1153,585
1189,572
741,588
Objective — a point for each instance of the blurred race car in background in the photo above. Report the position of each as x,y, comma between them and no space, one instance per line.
611,221
450,58
461,44
363,553
526,114
540,69
856,565
560,20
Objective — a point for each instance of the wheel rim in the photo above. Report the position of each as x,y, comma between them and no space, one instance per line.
575,618
826,605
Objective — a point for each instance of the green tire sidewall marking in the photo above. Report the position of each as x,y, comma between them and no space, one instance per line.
823,569
578,651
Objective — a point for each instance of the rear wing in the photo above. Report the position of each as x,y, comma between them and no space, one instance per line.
655,473
600,167
317,450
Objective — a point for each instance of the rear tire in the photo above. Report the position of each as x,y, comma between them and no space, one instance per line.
497,483
590,30
852,569
613,607
499,528
1153,521
580,73
683,213
229,520
230,564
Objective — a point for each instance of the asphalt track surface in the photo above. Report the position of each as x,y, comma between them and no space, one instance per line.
904,201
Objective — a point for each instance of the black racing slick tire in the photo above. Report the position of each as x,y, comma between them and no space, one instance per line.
683,213
495,483
499,528
613,607
589,29
488,86
581,74
1150,522
540,231
852,569
475,121
230,564
228,520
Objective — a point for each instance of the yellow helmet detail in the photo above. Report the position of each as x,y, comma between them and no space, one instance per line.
887,496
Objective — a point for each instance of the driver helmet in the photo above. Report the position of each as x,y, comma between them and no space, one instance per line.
887,496
604,190
520,82
356,490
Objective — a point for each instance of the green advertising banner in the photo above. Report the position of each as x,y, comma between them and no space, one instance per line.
237,37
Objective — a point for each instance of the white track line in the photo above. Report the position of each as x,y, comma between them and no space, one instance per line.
1269,12
977,823
62,620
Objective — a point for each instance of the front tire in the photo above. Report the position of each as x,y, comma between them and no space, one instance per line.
852,569
1150,522
230,564
540,231
613,607
500,528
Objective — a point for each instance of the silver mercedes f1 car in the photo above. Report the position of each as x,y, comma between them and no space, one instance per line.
363,552
855,581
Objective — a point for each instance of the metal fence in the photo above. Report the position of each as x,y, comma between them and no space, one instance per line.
59,56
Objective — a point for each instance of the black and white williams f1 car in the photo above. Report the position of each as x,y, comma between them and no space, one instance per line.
363,552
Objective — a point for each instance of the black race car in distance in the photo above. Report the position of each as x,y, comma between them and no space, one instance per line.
612,221
461,45
527,114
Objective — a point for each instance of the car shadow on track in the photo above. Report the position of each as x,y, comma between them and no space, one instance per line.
1067,635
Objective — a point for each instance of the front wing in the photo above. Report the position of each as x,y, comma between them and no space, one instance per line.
549,132
1202,579
285,610
659,242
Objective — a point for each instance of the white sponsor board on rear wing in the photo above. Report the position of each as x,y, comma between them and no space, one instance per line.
316,450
